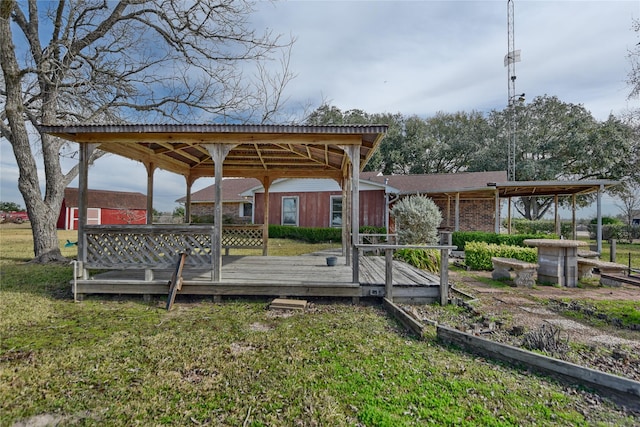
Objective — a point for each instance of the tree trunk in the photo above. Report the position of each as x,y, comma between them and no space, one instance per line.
43,214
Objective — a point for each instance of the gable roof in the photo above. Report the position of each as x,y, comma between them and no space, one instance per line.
107,199
277,151
232,188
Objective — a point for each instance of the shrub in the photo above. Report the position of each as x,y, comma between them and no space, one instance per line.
542,226
607,220
478,254
609,231
460,238
424,259
417,220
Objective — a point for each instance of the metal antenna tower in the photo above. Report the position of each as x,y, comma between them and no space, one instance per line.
510,60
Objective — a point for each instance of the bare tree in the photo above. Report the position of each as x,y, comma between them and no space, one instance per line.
629,207
98,61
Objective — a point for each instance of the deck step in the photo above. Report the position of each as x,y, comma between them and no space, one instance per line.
287,304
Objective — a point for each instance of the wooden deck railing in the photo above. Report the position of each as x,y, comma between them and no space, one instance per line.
388,254
158,246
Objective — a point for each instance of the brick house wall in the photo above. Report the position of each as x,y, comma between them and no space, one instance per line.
230,211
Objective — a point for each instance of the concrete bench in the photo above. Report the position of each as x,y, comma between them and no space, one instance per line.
524,271
586,266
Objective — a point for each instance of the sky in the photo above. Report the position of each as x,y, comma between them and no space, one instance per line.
419,58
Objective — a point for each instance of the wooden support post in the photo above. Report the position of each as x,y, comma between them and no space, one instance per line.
574,226
497,212
444,276
388,273
457,213
344,230
599,220
509,216
218,154
187,203
612,254
346,218
353,152
556,203
266,184
150,171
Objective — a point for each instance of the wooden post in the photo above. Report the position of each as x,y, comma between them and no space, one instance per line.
457,213
218,154
150,170
612,254
83,197
266,184
444,276
346,217
344,230
509,216
497,213
353,151
599,220
574,227
557,215
187,203
388,273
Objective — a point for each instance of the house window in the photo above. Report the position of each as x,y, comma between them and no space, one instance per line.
336,211
290,211
246,210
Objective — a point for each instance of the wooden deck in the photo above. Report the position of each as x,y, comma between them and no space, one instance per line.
298,276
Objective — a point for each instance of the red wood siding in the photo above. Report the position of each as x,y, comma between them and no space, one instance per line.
314,208
107,217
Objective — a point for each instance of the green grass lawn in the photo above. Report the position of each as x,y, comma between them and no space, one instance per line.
120,361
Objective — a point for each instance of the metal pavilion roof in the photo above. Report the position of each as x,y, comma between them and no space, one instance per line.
258,150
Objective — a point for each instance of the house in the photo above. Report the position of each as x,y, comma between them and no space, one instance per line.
318,202
236,208
104,207
466,199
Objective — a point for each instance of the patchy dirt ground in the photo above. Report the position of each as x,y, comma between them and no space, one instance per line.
521,317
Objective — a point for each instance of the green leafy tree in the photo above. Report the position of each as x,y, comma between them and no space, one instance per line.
417,220
9,207
178,211
558,140
97,61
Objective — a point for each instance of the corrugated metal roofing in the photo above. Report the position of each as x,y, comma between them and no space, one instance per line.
216,128
275,151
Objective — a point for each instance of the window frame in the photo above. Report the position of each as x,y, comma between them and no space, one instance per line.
297,210
331,211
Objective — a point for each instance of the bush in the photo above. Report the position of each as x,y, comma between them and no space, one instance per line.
607,220
609,231
478,254
424,259
417,220
542,226
460,238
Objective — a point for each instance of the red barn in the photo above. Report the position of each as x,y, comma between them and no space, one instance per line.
103,207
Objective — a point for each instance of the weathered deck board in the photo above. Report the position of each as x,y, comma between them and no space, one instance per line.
272,275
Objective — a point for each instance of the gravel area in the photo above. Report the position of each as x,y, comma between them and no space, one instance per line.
523,318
